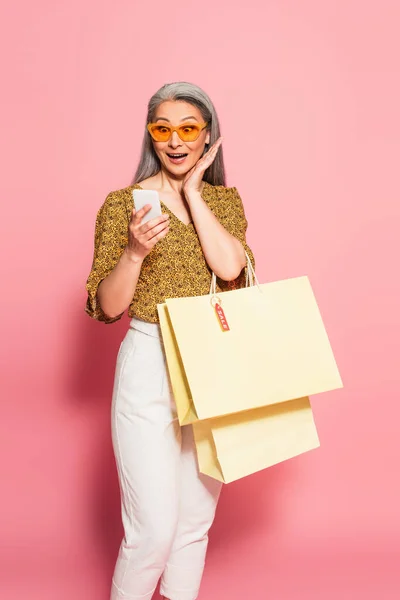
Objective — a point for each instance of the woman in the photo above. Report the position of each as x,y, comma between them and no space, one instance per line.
167,506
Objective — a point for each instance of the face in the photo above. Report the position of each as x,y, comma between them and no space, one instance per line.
175,113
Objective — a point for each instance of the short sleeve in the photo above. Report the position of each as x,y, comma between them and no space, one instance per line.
110,239
232,216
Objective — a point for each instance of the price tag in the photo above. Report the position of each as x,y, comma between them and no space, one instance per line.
221,317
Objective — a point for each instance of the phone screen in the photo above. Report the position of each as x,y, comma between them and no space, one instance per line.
143,197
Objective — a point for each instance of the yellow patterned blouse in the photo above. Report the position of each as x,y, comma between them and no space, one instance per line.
175,267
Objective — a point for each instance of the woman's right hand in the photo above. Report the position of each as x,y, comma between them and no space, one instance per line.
143,237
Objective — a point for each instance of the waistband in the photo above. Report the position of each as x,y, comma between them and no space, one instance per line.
152,329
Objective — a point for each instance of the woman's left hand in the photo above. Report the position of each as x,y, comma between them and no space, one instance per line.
192,184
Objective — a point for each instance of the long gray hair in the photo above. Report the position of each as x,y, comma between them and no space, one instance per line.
149,163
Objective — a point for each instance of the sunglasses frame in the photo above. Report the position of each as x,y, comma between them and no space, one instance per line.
172,129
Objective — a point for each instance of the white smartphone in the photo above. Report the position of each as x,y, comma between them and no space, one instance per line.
143,197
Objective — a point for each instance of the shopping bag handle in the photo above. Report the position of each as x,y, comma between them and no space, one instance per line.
251,277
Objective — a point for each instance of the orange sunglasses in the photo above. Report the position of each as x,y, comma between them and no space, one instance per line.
188,132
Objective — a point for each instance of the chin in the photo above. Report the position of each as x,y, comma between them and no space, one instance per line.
181,169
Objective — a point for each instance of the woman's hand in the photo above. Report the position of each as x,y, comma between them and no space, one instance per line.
143,237
194,177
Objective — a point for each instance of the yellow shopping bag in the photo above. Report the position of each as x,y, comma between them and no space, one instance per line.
248,348
231,447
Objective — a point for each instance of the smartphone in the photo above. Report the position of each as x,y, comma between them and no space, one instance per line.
143,197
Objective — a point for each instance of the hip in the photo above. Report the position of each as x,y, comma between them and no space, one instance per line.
141,374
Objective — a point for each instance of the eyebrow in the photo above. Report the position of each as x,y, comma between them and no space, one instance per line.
183,119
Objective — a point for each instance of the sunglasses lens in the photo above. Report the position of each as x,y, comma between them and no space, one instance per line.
189,133
160,133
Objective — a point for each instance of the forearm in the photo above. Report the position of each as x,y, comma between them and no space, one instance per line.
116,291
223,252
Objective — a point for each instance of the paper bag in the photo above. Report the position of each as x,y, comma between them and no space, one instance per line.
275,350
229,448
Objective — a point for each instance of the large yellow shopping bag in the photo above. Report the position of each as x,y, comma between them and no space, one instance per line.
247,348
231,447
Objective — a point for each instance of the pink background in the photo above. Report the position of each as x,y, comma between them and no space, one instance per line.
308,94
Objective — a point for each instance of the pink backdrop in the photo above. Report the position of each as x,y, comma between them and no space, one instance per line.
308,94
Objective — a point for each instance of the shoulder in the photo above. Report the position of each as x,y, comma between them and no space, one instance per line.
117,202
218,189
220,192
223,198
115,210
121,196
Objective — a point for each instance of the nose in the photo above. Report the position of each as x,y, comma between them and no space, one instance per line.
175,140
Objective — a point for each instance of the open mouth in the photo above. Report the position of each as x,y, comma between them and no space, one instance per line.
176,158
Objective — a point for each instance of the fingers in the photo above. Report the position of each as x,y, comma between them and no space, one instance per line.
138,216
188,174
210,155
212,151
149,239
153,223
147,231
157,233
217,143
144,236
150,232
202,165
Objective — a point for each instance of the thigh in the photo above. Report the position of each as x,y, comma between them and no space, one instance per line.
146,434
199,493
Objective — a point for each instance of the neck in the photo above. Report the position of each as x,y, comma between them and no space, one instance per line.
170,183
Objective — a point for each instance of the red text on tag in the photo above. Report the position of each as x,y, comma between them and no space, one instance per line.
221,317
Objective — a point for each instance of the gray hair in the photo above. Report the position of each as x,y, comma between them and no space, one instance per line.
149,163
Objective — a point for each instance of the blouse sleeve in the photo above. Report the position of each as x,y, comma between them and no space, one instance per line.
110,239
232,217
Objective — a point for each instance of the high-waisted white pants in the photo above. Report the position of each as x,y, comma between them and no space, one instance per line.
167,506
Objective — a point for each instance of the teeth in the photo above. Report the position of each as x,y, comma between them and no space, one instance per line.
177,155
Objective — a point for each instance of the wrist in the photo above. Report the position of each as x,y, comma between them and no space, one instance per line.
193,196
132,256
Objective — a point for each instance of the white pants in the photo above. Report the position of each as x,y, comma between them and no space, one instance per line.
167,506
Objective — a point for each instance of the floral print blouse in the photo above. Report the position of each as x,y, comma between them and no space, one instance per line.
176,266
